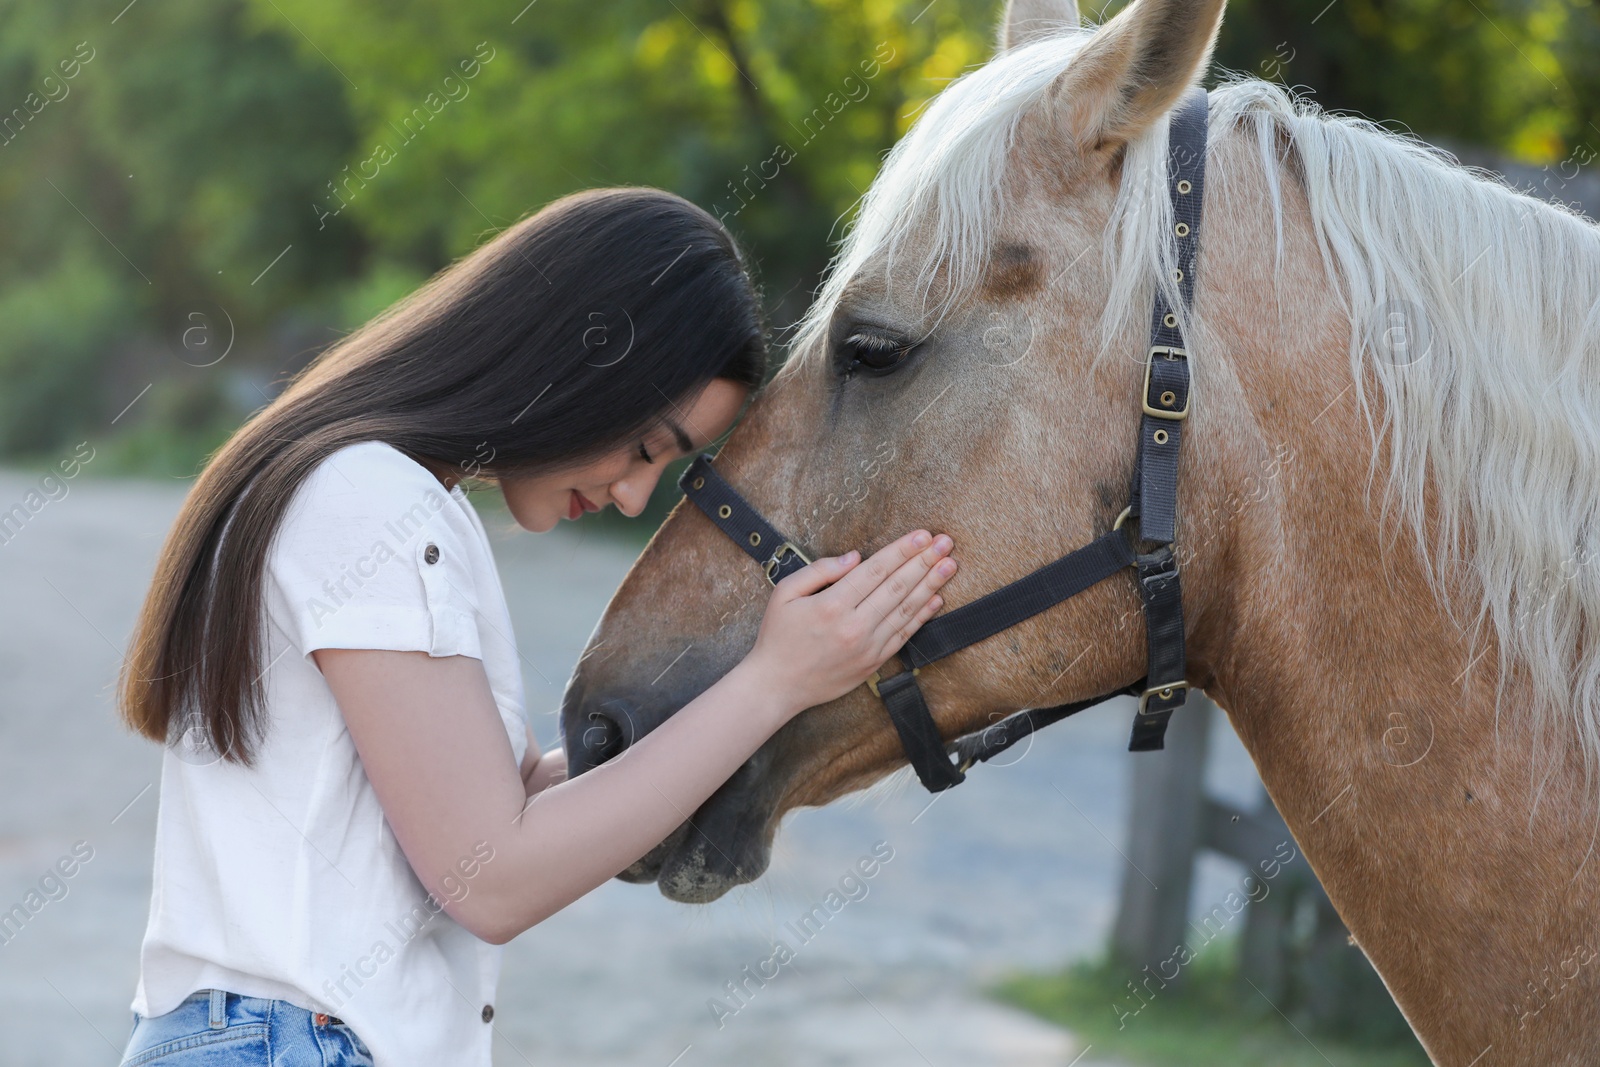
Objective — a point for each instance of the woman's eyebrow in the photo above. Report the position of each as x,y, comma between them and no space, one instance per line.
682,438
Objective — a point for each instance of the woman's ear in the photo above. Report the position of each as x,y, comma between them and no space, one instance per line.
1132,71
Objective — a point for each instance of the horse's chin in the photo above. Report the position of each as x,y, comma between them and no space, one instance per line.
694,871
727,843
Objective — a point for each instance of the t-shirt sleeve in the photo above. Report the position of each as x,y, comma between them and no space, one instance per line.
372,553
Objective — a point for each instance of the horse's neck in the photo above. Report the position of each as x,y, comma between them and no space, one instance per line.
1471,882
1371,717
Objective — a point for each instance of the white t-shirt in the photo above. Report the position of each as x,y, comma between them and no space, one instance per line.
284,880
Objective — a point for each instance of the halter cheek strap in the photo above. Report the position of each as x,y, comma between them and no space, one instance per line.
1165,407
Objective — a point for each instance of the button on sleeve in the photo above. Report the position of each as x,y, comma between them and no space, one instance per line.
451,601
369,555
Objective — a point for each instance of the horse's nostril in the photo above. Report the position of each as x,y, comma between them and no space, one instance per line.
602,738
610,730
601,730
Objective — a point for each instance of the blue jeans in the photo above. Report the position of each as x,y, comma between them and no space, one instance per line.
214,1028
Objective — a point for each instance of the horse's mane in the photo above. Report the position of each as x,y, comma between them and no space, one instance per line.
1496,397
1495,393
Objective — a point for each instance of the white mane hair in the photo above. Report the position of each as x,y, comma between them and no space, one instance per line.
1493,389
947,169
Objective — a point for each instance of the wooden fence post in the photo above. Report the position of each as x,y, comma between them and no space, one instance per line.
1164,833
1293,948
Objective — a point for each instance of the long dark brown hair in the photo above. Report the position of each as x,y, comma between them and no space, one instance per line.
565,336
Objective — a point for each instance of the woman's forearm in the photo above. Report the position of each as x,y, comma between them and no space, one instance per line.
576,834
434,744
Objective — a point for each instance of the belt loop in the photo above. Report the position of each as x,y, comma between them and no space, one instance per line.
219,1009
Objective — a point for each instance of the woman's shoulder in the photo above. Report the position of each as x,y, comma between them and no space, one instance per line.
374,552
373,467
368,487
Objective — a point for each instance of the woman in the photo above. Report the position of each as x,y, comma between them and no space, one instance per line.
347,831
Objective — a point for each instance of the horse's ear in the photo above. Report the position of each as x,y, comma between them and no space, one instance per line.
1028,20
1134,69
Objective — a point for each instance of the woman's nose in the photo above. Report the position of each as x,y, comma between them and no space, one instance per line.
632,494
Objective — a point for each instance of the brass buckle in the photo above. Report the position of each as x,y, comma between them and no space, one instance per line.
872,682
1170,352
776,559
1163,691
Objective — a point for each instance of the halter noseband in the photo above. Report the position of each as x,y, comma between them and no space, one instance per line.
1165,404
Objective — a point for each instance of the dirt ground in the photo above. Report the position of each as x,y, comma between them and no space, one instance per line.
1018,868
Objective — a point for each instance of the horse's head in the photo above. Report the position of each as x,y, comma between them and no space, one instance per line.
960,371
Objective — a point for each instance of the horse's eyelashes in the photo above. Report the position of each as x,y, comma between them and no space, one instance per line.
873,352
872,341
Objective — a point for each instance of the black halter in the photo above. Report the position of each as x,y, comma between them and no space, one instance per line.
1165,405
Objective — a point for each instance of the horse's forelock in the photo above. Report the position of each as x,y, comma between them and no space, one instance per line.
947,171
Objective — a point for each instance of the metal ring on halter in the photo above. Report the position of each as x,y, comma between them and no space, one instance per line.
776,559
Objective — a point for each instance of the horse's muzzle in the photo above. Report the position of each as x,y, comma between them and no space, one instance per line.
723,844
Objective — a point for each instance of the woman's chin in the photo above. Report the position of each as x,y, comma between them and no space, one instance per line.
538,523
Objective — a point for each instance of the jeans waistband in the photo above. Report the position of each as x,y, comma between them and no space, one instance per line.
252,1027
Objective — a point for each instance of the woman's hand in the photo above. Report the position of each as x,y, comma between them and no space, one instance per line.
832,623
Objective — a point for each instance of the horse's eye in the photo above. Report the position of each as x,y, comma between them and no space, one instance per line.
874,352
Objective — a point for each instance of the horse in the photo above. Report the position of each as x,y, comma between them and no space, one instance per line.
1388,496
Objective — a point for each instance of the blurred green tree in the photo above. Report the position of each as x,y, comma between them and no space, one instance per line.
292,166
1515,75
170,168
772,114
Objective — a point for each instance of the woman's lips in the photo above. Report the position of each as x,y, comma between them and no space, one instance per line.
578,504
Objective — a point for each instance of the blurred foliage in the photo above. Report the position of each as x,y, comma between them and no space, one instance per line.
1214,1019
58,326
280,170
183,420
1520,76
